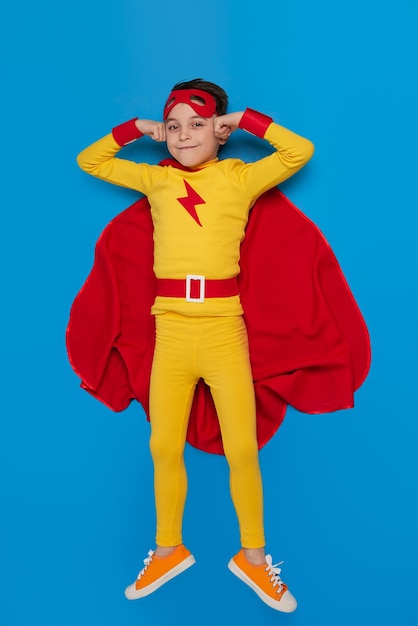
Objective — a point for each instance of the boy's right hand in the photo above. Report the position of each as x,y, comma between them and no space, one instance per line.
155,130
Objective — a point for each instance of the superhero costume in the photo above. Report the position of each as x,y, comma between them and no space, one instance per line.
309,345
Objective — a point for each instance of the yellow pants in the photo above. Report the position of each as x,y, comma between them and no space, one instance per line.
215,349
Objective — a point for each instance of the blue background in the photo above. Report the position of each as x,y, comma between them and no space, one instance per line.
76,497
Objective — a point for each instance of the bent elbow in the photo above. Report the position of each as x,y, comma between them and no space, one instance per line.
83,163
309,150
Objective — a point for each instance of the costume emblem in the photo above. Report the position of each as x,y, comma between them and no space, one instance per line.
189,202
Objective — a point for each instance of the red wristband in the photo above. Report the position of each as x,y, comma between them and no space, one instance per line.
126,132
255,122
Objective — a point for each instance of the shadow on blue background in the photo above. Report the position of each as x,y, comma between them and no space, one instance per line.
76,501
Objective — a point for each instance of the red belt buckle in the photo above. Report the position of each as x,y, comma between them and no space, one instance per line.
201,281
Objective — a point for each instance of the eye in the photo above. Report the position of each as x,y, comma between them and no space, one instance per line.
172,127
197,124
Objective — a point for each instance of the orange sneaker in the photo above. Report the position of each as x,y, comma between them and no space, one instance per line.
159,570
265,581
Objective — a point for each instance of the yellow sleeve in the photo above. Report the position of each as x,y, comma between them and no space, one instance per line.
99,159
292,152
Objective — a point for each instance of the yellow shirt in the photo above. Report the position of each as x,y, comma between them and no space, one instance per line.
200,215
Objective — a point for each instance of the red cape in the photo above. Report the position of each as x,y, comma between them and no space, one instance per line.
309,344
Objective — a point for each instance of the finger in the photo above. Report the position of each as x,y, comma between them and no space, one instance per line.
159,132
223,132
218,125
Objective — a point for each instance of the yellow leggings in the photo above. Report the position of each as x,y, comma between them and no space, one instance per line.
215,349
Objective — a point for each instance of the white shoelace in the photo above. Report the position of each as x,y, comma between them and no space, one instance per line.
147,561
274,573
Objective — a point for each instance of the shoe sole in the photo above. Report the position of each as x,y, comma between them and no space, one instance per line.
134,594
278,605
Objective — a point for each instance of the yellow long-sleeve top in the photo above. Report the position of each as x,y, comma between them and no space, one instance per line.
199,215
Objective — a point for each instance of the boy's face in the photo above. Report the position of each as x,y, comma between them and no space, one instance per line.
190,138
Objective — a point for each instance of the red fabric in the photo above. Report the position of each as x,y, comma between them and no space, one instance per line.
255,122
126,132
309,344
207,109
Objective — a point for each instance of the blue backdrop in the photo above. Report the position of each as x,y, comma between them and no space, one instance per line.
76,480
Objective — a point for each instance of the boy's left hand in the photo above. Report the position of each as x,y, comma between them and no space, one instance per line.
224,125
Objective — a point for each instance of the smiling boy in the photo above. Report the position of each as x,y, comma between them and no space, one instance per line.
199,207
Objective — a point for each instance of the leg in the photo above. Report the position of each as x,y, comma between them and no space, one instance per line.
224,363
173,380
227,371
171,392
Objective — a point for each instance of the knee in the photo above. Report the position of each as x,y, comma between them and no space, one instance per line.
241,453
164,450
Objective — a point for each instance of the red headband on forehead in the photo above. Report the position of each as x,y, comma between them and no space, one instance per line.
207,109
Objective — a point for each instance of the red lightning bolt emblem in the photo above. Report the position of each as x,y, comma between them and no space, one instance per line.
189,202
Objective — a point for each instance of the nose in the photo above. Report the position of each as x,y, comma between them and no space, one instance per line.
184,134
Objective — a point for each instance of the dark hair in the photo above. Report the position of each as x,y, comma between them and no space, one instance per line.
217,92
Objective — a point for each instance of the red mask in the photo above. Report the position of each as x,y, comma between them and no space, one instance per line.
185,95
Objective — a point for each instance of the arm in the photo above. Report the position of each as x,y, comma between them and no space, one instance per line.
292,151
99,159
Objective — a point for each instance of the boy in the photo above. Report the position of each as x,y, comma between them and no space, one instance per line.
199,208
